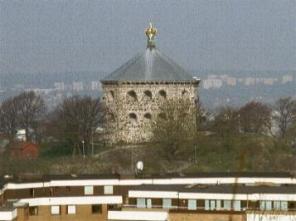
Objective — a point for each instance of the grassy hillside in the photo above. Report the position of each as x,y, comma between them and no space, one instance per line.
212,153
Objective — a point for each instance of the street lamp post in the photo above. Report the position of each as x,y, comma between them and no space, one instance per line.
83,150
195,157
92,143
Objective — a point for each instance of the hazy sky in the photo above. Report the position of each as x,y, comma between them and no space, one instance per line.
61,35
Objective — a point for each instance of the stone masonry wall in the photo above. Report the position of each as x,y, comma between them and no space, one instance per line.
132,107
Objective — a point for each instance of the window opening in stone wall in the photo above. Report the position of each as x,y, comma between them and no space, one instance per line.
148,116
110,117
148,94
162,116
184,93
132,95
132,117
162,94
111,95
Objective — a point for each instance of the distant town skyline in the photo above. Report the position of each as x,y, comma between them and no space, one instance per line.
58,36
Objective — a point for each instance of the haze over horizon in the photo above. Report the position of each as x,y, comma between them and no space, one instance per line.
59,36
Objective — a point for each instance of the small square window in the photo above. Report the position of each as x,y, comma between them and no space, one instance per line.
284,205
227,204
262,205
166,203
141,203
88,190
33,210
149,203
95,209
108,189
192,204
237,205
266,205
71,209
212,204
32,192
218,204
112,207
277,205
55,210
207,204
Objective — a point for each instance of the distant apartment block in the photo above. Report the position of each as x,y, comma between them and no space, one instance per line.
269,81
287,78
231,81
212,83
95,85
60,86
201,197
77,86
250,81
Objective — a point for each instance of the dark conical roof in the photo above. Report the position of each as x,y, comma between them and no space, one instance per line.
150,66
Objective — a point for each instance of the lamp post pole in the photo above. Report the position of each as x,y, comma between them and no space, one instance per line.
195,158
92,142
83,150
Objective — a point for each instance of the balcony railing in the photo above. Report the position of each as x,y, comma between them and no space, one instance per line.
174,208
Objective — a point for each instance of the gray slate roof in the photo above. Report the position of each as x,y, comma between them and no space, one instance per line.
152,65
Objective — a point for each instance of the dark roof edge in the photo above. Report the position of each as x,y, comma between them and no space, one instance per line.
45,178
194,81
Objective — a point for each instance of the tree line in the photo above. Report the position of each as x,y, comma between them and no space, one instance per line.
75,120
258,118
71,123
253,136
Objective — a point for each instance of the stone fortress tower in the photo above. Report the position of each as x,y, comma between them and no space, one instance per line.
134,92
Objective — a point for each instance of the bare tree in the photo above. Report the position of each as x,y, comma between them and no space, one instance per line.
31,108
255,117
76,119
175,126
285,114
22,111
9,118
226,122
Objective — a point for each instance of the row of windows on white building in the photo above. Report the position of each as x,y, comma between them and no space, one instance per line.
167,204
89,190
215,204
71,210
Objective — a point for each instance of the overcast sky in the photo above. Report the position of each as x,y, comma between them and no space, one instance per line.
61,35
